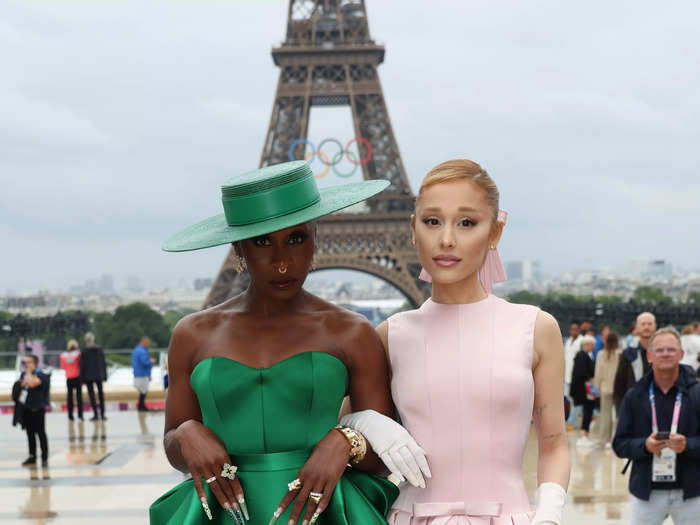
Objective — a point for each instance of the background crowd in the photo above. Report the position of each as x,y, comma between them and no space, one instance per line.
601,366
86,366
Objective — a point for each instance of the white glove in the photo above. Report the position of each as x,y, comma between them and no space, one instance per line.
551,498
392,443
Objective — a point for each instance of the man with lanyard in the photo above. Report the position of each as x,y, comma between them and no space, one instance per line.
659,430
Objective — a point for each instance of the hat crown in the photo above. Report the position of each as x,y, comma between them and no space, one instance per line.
269,192
266,178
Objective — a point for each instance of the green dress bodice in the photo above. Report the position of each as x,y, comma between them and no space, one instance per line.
287,406
270,419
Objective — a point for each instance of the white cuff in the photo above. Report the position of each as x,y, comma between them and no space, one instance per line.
551,498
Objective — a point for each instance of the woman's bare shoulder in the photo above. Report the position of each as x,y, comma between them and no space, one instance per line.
192,331
547,338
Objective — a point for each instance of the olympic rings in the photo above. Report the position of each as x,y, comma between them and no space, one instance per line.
328,164
336,141
290,151
332,161
335,162
369,150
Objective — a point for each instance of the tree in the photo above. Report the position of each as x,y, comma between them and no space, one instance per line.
651,295
694,297
171,317
128,324
526,297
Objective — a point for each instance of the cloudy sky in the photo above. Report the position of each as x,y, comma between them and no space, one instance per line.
120,119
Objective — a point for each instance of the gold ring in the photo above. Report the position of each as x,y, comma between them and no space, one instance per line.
213,478
316,497
294,485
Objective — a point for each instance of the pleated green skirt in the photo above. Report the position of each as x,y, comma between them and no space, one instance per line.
359,498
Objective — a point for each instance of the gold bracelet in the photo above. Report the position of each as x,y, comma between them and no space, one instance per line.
358,443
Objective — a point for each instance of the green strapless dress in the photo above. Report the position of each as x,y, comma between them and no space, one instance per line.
270,419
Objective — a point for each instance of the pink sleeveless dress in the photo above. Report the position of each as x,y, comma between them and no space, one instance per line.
463,386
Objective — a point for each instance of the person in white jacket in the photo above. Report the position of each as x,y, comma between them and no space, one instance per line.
690,342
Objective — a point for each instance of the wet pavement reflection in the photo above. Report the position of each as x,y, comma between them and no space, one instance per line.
106,470
112,470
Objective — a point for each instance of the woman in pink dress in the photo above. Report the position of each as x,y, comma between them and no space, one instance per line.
470,371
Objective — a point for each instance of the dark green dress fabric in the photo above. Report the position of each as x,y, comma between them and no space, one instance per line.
270,419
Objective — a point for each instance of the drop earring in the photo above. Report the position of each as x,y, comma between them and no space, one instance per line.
313,263
239,265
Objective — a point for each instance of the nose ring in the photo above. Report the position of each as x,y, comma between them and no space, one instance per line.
282,268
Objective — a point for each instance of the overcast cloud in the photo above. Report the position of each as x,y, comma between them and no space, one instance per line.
120,119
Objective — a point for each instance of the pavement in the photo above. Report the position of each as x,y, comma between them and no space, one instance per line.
111,471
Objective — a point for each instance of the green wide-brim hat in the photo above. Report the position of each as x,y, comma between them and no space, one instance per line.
270,199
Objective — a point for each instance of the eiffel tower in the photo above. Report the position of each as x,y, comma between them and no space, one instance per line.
329,59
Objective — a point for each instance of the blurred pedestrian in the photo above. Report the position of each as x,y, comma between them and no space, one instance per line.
633,362
34,397
600,340
659,430
690,342
587,327
604,381
93,372
166,377
142,363
70,363
631,338
583,372
572,345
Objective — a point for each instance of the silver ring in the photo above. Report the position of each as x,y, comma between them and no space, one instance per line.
294,485
316,497
213,478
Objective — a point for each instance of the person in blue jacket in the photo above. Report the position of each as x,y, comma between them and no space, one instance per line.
659,431
142,363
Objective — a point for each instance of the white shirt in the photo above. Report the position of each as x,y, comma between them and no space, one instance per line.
691,346
571,348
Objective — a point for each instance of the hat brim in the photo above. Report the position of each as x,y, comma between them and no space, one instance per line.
214,231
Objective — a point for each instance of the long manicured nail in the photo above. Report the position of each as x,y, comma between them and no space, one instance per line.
239,515
305,522
244,507
205,506
229,509
292,522
275,516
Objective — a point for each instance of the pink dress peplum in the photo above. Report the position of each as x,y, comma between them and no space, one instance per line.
463,386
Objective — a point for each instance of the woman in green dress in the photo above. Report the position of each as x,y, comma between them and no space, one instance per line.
256,382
